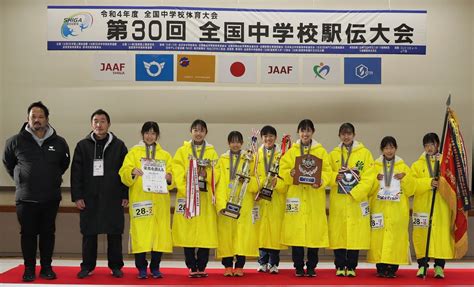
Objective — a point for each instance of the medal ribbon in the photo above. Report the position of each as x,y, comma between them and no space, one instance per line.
192,207
388,174
344,164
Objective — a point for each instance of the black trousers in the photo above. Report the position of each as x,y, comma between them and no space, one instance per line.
344,258
269,256
438,262
239,263
196,261
37,220
297,253
114,251
142,264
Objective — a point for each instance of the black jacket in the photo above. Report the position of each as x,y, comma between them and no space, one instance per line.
103,195
36,170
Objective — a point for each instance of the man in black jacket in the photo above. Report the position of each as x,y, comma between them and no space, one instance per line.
36,158
99,194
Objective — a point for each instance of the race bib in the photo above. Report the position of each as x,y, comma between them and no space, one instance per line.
255,214
420,220
292,205
364,208
180,205
98,169
142,209
376,220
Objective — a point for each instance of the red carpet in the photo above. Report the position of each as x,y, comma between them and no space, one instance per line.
178,276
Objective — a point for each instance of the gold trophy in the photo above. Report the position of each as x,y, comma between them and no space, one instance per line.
233,206
202,164
272,174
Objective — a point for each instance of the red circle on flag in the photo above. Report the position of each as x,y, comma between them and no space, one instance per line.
237,69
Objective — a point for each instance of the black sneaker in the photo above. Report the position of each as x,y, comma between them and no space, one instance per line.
310,272
117,273
390,274
29,275
47,273
83,274
299,272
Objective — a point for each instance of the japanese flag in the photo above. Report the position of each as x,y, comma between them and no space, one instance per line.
237,69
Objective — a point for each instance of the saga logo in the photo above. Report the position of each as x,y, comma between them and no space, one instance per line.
76,24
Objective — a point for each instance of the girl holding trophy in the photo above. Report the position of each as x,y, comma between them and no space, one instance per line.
146,170
271,210
237,234
306,169
349,217
390,211
194,220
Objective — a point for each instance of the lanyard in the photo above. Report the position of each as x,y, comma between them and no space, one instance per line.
302,147
349,151
387,175
430,168
267,164
233,168
150,151
201,154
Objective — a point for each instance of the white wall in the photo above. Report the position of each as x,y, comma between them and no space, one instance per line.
409,103
2,85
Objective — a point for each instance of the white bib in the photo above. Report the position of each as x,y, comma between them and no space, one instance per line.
142,209
420,220
292,205
376,220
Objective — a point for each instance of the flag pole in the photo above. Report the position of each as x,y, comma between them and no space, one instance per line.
436,176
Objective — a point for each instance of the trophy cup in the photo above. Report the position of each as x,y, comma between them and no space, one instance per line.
233,206
272,174
202,164
307,170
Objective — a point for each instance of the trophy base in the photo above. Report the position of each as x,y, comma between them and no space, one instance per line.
202,185
266,194
231,210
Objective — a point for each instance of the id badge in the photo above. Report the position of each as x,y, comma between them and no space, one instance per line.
180,205
255,214
292,205
98,169
364,208
142,209
420,220
376,221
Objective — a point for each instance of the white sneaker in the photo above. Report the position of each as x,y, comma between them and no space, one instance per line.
262,268
273,269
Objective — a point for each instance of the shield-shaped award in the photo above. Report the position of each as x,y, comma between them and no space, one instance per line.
307,170
350,178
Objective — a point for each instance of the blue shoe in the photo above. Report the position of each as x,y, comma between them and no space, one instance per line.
142,274
156,274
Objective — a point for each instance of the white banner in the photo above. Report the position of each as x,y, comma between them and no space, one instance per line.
113,67
237,69
279,70
296,31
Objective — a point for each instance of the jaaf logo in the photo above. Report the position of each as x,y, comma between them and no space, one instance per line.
153,69
321,70
76,24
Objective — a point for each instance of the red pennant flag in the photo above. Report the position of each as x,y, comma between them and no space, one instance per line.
454,187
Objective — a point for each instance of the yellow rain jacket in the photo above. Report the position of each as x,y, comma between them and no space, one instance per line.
236,236
151,232
270,212
199,231
442,241
305,221
349,219
389,243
